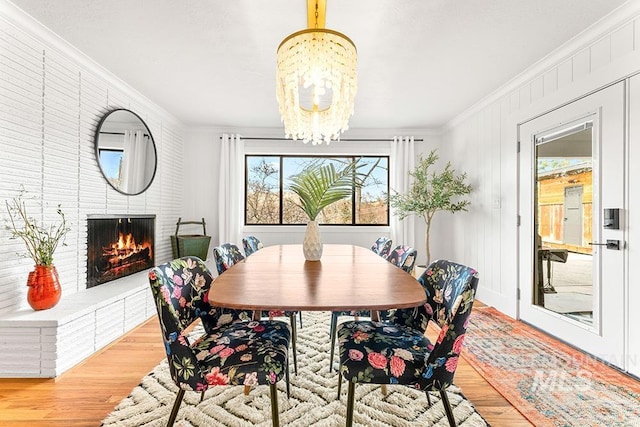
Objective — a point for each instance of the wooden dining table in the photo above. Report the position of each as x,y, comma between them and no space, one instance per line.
347,277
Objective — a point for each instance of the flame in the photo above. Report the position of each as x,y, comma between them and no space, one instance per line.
124,247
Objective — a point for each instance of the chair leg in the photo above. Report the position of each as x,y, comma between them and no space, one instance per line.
447,408
339,383
333,332
428,398
176,407
294,334
300,318
350,399
275,414
287,379
202,396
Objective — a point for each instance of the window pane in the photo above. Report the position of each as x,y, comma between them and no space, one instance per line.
111,161
263,190
291,212
371,201
337,213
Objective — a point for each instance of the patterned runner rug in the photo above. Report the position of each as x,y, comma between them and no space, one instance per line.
549,382
313,400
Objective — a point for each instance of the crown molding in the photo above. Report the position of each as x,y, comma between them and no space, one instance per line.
22,21
272,132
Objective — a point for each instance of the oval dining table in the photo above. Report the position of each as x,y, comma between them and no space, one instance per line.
347,277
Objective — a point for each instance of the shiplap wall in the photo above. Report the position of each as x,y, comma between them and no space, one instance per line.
483,142
51,100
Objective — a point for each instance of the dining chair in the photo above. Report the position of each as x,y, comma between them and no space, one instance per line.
382,246
356,314
227,255
400,353
241,353
251,244
404,257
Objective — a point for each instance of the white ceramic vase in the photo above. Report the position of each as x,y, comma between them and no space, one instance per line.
312,244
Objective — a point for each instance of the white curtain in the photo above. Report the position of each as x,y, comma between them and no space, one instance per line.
134,161
231,190
403,160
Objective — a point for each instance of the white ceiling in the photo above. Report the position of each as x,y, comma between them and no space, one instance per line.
420,62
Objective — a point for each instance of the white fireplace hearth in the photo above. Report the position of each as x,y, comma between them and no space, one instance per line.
44,344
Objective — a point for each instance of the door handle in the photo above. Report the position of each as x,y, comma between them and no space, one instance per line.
611,244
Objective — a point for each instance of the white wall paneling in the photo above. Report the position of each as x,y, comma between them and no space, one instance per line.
632,221
606,53
52,98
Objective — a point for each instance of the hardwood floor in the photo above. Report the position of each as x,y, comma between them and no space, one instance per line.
84,395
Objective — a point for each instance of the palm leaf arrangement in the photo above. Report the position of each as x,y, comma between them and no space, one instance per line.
320,185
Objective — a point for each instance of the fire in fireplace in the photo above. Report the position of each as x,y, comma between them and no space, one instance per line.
118,246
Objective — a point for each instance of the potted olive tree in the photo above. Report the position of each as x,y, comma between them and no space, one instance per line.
431,192
318,186
41,242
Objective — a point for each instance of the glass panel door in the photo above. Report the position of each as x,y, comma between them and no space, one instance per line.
571,260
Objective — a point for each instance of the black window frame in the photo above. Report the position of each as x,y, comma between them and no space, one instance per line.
281,158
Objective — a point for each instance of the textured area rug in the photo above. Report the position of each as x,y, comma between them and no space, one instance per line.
313,400
549,382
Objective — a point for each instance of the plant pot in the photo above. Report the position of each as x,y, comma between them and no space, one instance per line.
44,287
312,244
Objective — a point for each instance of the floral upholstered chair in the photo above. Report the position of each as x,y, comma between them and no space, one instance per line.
251,244
399,353
240,353
382,246
403,257
334,325
225,256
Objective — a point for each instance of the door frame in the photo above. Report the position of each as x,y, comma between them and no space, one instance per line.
605,338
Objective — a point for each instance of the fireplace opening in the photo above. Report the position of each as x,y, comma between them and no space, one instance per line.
118,246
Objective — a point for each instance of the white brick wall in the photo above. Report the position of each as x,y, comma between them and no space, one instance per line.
51,99
50,342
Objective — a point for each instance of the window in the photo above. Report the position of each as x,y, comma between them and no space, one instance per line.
111,163
268,201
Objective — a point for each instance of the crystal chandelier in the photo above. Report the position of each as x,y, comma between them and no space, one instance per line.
316,80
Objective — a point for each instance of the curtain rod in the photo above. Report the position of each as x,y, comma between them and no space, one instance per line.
264,138
119,133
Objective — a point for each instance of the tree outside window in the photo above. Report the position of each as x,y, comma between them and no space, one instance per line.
268,200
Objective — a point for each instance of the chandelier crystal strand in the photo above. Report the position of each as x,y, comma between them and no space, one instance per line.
325,62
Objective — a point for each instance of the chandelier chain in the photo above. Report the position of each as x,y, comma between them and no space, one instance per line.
317,14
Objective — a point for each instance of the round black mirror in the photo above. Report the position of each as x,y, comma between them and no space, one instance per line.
126,151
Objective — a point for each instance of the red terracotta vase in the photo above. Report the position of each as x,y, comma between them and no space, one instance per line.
44,287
